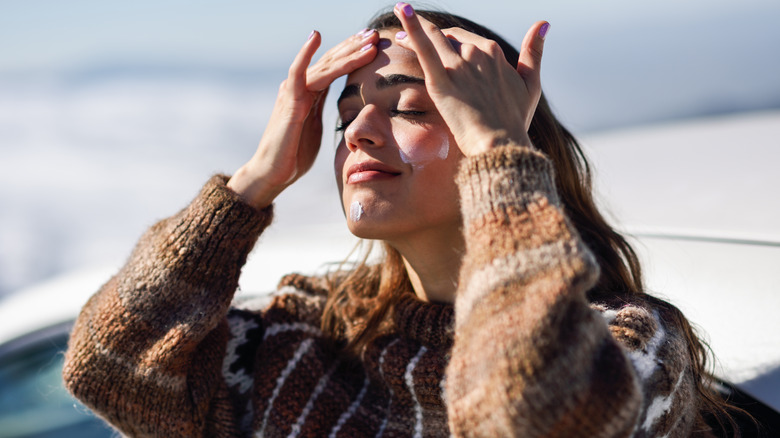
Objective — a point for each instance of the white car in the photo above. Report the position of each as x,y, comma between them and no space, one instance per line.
697,198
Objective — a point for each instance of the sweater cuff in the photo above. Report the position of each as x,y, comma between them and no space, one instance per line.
505,177
212,237
234,214
217,193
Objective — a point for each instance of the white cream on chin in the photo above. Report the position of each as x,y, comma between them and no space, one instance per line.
355,211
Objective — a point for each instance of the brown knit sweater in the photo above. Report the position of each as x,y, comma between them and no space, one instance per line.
159,351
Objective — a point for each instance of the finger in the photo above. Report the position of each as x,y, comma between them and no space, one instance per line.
351,54
462,36
426,40
530,62
296,77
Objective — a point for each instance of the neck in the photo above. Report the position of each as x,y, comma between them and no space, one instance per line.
433,264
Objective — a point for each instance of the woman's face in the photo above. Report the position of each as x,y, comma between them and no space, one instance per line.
396,163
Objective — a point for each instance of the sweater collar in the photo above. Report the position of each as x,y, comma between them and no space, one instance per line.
430,324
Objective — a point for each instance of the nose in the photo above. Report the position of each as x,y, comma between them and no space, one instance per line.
366,130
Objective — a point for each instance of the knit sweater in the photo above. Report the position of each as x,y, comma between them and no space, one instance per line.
160,351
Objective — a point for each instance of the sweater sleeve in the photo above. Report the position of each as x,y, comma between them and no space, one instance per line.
147,349
531,357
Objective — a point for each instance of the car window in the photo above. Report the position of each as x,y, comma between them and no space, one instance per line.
33,399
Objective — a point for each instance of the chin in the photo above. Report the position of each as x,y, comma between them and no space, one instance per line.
363,230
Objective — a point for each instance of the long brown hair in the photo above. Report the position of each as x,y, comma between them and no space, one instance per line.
361,300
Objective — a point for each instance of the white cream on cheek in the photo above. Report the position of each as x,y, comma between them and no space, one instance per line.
418,155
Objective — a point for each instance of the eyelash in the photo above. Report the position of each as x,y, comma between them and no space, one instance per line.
407,113
343,125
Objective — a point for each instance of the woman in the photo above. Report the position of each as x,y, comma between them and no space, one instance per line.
505,305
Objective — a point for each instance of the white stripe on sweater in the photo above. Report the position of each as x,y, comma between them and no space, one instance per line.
645,361
418,413
660,406
238,329
299,353
323,382
389,399
608,314
275,329
352,409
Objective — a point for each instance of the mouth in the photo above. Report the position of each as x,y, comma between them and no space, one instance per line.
370,171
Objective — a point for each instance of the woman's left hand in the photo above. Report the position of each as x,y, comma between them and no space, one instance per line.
484,100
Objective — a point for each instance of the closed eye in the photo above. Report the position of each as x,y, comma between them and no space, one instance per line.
343,125
396,112
403,113
415,117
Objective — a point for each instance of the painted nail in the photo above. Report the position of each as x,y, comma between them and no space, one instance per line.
362,31
407,9
367,33
366,47
543,30
400,35
311,34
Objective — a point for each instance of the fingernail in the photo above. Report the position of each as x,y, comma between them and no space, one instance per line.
367,33
362,31
311,34
406,8
543,30
400,35
366,47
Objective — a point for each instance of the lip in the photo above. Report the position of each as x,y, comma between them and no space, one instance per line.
370,171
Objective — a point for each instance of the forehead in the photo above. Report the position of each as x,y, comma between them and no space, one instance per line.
390,59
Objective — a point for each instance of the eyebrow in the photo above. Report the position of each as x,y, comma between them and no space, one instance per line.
393,80
381,83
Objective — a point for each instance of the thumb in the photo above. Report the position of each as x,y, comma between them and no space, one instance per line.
530,62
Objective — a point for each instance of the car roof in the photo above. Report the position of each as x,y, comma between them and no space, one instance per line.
713,176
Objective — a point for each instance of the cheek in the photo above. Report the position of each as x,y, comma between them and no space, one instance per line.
338,164
421,147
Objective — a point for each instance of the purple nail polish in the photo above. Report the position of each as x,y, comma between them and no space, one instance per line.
543,30
362,31
311,35
367,33
366,47
400,35
407,9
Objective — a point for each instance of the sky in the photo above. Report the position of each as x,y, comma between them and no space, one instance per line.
51,33
602,55
113,113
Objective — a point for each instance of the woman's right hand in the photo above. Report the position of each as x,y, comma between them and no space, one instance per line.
292,137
